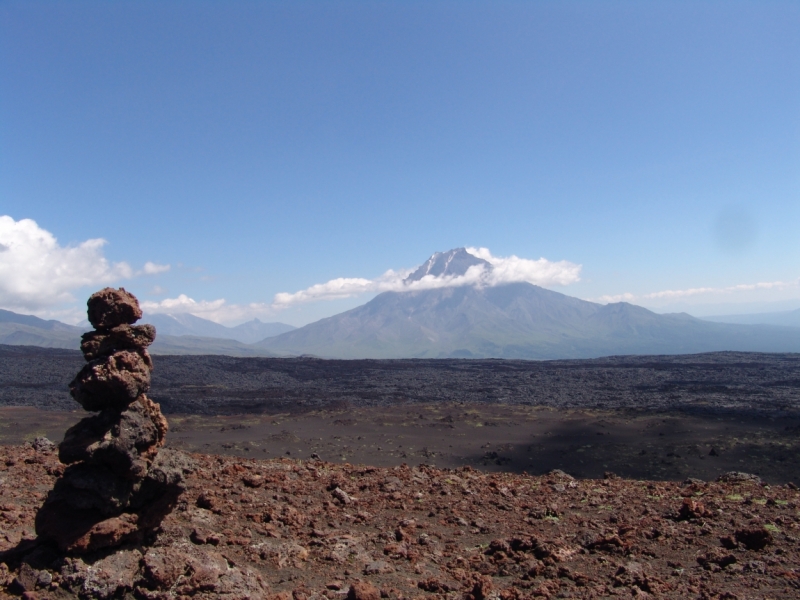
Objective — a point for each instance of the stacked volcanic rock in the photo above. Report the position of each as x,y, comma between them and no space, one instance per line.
116,487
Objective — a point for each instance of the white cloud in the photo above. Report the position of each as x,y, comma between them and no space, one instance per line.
37,272
218,310
342,287
38,275
151,268
680,294
182,304
609,299
538,272
503,270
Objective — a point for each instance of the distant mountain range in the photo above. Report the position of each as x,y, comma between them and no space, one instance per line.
515,320
188,324
27,330
176,334
788,318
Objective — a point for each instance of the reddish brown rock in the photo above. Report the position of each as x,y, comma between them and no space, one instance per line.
110,308
363,590
434,586
153,411
716,558
478,587
113,381
108,533
25,581
692,509
754,538
252,480
96,344
164,566
80,531
204,554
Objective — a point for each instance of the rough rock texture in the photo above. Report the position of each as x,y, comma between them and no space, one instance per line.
115,489
113,381
122,441
95,344
111,308
279,529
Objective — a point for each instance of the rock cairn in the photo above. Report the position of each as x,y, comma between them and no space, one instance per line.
117,486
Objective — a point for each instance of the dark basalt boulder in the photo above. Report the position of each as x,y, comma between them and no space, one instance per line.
96,487
119,441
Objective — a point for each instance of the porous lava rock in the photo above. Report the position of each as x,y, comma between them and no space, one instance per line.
111,308
95,344
116,487
408,532
113,381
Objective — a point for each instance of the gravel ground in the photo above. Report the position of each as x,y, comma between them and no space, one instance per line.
301,530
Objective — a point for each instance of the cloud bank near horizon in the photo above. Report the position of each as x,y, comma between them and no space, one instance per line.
692,292
510,269
503,270
40,276
37,273
218,310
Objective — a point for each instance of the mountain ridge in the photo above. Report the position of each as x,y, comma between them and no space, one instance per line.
179,324
515,320
448,308
28,330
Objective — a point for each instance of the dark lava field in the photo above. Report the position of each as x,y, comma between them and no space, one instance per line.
217,385
644,417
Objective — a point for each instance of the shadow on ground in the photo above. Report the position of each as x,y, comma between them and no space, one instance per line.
585,443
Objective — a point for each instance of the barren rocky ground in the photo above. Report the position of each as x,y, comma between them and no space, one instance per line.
664,417
422,479
516,438
285,528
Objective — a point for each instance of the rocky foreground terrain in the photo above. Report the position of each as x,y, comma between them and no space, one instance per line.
302,528
296,530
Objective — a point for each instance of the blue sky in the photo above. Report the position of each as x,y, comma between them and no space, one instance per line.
258,148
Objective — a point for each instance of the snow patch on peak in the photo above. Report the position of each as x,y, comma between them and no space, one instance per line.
453,263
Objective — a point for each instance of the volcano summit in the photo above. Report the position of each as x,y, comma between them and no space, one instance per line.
464,312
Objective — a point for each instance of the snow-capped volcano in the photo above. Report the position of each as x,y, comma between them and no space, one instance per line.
453,263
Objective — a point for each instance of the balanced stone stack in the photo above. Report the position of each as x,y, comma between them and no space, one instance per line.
117,487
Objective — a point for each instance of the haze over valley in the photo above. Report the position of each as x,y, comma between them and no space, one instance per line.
454,306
